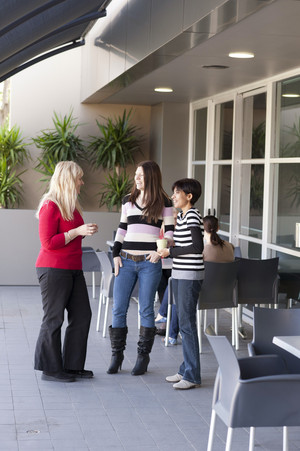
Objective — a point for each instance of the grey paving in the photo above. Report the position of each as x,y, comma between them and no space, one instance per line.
110,412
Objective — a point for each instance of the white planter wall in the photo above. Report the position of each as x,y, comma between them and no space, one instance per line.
19,243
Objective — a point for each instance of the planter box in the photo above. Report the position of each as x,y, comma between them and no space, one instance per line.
20,243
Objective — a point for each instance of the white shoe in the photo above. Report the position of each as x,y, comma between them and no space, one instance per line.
185,385
176,378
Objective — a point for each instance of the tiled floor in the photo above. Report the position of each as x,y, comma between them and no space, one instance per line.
110,412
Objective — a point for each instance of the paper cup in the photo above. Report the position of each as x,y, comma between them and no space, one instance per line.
162,243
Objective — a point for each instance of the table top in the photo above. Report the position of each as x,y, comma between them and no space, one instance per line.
166,262
289,343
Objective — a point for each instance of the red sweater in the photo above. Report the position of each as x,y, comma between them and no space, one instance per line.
54,253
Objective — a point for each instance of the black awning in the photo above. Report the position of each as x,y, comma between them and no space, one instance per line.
32,30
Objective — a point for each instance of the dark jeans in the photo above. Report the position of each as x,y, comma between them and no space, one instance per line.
186,293
163,311
62,290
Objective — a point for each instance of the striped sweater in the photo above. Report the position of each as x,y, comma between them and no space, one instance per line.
187,253
135,233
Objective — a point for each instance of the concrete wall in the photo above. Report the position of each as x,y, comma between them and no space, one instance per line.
20,243
54,85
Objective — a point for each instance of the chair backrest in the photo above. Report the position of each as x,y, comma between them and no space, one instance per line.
218,287
257,281
229,370
107,273
268,323
90,261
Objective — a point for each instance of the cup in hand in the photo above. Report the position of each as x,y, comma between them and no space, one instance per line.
161,243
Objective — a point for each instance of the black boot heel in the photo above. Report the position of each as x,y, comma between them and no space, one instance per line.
118,343
115,363
141,365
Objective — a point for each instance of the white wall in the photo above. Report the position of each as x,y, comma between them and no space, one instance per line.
54,85
20,243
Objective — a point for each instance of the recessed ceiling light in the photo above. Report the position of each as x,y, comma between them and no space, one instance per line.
291,95
163,89
241,55
215,66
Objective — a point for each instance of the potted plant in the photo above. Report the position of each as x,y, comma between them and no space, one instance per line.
13,153
113,191
58,144
114,150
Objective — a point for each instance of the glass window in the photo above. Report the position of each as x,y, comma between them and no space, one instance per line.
250,250
254,126
222,184
199,174
286,203
200,134
223,131
252,192
288,99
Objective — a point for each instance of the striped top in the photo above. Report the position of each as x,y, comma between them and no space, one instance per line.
135,233
187,253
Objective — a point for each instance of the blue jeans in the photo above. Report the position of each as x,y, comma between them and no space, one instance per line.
186,293
148,275
163,311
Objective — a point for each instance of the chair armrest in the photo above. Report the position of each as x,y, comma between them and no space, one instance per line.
262,365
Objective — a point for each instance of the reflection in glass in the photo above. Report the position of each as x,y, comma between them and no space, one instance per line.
223,131
286,204
252,192
289,118
200,134
250,250
199,174
222,180
254,125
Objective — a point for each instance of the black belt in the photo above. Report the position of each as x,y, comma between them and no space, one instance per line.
135,258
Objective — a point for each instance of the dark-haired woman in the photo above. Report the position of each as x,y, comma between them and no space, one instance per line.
144,211
215,249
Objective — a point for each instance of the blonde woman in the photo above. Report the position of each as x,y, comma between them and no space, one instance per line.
59,270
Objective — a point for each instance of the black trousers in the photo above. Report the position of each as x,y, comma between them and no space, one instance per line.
62,290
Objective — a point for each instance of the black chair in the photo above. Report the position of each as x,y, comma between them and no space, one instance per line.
258,281
218,291
252,392
268,323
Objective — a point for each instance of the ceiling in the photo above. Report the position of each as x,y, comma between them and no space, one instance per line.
272,33
32,30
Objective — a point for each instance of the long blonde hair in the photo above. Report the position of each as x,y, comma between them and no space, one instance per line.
62,189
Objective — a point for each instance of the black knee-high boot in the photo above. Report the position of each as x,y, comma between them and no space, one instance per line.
145,344
118,343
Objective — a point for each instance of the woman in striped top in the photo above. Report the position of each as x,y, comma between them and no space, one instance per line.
144,211
187,275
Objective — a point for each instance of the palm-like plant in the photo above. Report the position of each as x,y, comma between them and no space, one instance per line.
118,144
113,191
13,153
58,144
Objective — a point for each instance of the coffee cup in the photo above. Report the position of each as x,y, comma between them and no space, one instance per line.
161,243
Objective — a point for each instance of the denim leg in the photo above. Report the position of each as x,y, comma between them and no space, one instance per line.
186,293
149,275
123,287
174,326
163,309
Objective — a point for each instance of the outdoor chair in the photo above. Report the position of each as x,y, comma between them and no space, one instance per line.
171,301
268,323
218,291
252,392
106,289
90,263
258,281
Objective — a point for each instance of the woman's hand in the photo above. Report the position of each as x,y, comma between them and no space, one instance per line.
87,229
154,257
164,252
117,264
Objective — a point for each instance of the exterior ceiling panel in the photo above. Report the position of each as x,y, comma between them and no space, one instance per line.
31,28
